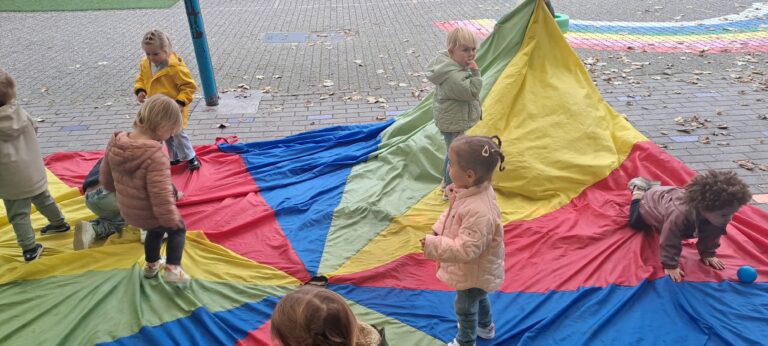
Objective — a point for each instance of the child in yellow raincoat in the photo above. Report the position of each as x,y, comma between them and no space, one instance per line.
163,72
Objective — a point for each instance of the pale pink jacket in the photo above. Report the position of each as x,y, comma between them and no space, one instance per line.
468,240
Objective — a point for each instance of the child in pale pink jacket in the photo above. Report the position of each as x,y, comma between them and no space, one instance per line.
468,239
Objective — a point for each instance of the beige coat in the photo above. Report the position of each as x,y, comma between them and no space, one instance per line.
469,240
138,171
22,173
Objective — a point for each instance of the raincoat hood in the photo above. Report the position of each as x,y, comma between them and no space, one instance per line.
13,122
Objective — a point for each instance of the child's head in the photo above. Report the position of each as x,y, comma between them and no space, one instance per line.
7,88
157,45
717,195
473,159
159,117
313,316
462,45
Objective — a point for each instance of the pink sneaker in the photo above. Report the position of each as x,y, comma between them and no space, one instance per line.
174,274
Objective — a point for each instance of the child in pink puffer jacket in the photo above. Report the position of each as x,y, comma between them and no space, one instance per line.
468,239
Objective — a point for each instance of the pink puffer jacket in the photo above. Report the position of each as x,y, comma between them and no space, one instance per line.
469,240
139,173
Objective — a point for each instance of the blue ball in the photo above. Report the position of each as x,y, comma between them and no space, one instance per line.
747,274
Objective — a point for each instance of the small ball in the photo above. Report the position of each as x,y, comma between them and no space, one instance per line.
747,274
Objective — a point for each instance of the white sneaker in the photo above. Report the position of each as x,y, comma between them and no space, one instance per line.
486,333
174,274
84,235
152,268
454,343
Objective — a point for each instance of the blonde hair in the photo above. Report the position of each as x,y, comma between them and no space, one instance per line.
157,39
7,88
480,154
313,316
158,113
459,36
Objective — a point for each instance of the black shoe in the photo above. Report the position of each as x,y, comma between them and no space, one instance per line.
33,253
194,164
54,229
175,162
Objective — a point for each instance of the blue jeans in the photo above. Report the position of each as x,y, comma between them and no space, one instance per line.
179,147
472,310
18,211
449,137
102,203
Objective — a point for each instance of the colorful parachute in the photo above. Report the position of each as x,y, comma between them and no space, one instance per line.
352,202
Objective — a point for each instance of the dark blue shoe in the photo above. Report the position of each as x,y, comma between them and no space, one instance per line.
33,253
54,229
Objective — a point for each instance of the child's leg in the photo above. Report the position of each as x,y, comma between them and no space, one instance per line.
183,146
18,215
449,137
635,219
484,318
170,143
466,311
104,205
175,248
152,244
47,206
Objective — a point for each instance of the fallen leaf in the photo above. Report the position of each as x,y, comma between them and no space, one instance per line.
259,77
327,83
722,126
705,140
403,84
763,116
223,125
266,90
379,71
308,103
763,167
277,76
723,144
664,133
40,120
686,130
243,86
358,62
746,164
381,117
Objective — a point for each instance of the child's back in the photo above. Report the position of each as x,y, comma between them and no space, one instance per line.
140,173
22,173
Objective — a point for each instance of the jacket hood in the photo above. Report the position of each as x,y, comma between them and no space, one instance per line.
442,67
126,154
13,121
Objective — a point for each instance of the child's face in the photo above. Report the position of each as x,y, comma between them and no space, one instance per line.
461,178
720,218
155,56
463,54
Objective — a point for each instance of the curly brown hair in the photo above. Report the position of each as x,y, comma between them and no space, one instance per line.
716,190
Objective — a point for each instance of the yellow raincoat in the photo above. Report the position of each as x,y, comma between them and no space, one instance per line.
174,81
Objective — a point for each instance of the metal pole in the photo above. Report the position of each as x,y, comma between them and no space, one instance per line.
195,18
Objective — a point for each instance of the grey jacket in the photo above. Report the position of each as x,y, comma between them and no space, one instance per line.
22,173
456,103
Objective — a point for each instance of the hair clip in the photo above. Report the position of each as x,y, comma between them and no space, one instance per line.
486,151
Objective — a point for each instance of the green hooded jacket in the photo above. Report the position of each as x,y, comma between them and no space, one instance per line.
456,103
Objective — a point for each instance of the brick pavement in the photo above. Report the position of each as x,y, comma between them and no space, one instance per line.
77,68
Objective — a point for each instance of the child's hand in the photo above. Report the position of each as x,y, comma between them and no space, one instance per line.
141,96
714,262
472,65
675,274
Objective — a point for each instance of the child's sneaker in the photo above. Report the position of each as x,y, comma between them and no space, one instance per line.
174,274
33,253
486,333
194,164
641,184
49,229
152,268
84,235
454,343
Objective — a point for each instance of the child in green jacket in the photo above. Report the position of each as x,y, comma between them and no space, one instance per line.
456,103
